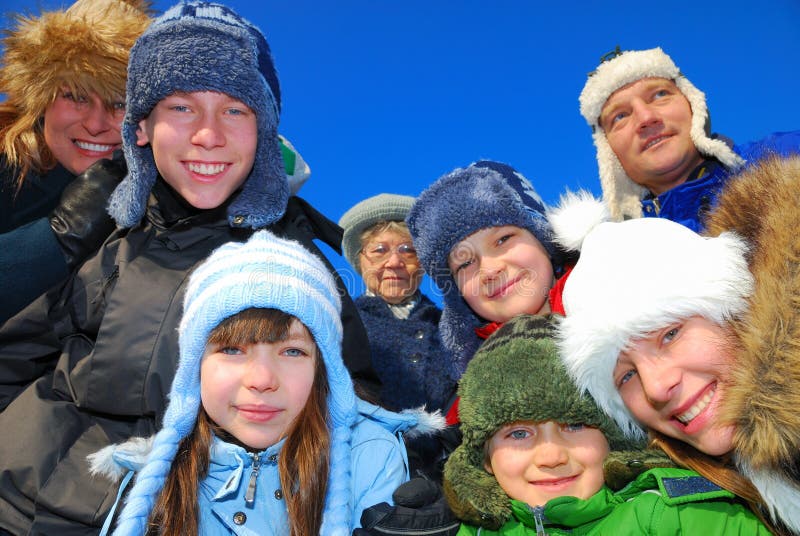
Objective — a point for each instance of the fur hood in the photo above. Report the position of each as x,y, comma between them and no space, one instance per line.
761,205
84,48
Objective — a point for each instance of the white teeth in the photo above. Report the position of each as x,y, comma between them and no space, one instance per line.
96,147
698,406
206,169
653,142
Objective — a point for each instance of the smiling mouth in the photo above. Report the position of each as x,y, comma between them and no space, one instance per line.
654,141
206,169
697,408
555,481
503,290
94,147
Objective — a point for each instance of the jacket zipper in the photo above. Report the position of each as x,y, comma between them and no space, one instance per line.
657,205
538,519
250,495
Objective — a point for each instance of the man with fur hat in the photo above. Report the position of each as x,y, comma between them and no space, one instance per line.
534,456
90,362
655,152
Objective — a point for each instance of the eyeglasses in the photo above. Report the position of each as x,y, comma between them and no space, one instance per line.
380,252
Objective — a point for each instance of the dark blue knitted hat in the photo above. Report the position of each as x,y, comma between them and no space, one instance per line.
200,46
464,201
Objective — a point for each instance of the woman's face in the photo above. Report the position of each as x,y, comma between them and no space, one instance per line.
673,381
82,129
389,265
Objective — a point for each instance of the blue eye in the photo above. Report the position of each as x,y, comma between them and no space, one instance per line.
230,350
503,239
295,352
574,427
670,335
660,93
626,377
518,434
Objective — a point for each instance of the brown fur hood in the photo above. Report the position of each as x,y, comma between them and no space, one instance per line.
84,48
762,204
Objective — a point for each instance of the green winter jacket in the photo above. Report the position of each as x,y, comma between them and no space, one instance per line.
660,501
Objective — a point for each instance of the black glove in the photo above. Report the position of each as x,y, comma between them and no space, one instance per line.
80,222
419,506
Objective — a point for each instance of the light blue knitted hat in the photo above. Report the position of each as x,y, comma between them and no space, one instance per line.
464,201
201,46
264,272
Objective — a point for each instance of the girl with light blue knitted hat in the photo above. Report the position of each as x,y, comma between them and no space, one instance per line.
263,427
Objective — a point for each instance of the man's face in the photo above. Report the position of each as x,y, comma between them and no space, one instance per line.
647,124
204,144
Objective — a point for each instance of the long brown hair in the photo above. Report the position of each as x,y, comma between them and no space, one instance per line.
718,469
305,457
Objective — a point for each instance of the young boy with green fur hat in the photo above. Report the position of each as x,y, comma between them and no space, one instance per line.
535,456
90,363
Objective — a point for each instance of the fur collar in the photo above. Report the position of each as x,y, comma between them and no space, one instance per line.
762,204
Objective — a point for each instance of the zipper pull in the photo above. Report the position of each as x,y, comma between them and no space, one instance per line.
250,495
538,519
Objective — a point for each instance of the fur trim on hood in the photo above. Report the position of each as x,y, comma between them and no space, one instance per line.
84,48
761,205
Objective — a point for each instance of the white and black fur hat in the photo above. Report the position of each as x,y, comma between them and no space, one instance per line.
635,277
621,194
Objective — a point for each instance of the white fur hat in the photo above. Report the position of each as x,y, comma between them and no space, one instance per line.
622,195
632,278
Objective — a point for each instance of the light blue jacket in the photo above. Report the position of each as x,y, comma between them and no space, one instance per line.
379,464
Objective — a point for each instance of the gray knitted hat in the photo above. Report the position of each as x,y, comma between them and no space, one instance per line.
199,46
365,214
516,375
464,201
622,195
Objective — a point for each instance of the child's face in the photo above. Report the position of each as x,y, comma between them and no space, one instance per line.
536,462
255,391
673,381
502,272
204,144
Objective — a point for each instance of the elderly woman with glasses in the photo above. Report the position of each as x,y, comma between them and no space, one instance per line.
401,323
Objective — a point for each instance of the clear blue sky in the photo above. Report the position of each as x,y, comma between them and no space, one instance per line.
386,96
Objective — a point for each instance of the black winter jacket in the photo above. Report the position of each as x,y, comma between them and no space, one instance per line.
90,363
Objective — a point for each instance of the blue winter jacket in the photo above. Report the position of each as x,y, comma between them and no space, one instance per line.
689,202
379,465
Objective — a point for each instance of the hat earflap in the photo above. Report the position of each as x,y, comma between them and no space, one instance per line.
620,192
487,504
701,127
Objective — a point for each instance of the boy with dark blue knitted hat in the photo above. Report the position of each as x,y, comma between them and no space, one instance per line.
90,363
482,235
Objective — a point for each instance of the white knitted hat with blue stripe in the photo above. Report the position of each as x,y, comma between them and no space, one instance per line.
264,272
622,195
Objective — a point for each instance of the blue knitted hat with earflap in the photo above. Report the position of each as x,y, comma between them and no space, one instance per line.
464,201
200,46
264,272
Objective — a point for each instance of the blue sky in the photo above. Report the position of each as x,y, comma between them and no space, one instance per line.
386,96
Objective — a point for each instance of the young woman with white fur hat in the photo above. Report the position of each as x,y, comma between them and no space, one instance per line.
693,338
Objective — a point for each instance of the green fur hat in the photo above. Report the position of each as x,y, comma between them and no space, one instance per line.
516,375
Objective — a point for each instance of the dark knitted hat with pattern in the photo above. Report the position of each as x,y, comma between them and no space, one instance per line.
202,46
516,375
466,200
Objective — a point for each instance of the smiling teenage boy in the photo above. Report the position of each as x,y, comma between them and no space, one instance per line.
656,154
90,363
